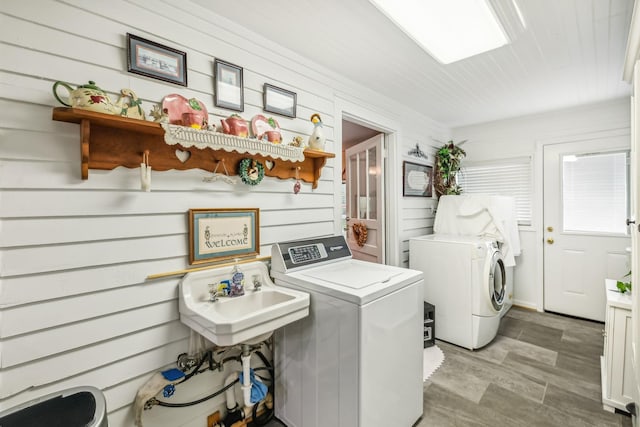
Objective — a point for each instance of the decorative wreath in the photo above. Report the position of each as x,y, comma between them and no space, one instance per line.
360,231
251,171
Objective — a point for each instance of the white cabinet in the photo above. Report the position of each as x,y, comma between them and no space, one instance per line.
618,381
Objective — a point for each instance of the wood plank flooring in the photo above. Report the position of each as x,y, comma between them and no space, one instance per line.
541,370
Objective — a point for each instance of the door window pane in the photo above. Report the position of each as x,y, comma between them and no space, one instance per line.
362,185
353,186
373,178
595,193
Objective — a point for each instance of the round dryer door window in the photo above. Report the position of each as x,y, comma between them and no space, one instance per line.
497,281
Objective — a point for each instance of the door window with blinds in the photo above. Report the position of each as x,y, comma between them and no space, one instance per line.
595,192
506,177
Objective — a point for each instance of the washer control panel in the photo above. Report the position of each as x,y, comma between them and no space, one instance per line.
286,256
300,254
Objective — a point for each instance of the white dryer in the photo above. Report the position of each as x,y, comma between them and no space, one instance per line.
464,278
356,360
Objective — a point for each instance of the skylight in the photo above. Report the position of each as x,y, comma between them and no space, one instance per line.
449,30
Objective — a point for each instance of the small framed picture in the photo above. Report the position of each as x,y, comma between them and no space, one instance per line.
279,101
217,234
154,60
418,179
228,92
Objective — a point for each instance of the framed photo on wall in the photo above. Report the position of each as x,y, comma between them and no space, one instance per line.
154,60
279,101
217,234
229,90
417,180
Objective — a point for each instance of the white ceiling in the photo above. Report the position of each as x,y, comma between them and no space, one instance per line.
570,53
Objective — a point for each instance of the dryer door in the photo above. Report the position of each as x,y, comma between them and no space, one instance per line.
497,281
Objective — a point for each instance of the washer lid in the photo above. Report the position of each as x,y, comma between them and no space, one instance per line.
356,276
351,280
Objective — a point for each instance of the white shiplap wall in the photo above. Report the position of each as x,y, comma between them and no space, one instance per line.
75,305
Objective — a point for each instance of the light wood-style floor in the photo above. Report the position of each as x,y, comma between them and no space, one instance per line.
541,370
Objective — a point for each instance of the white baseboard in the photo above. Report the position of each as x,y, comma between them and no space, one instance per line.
525,304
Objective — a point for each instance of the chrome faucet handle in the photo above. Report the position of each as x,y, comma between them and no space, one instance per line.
215,296
214,293
257,284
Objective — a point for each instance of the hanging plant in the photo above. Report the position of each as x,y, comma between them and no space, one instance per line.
447,165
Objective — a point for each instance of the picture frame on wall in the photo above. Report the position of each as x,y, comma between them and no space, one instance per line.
279,101
417,180
218,234
150,59
229,88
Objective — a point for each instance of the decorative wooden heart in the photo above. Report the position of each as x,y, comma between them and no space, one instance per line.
269,164
183,156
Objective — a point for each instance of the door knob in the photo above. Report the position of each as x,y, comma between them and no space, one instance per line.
549,229
550,241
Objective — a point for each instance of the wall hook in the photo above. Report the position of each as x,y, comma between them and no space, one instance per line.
145,172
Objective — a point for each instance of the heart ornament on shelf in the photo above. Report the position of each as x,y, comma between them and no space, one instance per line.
182,155
269,164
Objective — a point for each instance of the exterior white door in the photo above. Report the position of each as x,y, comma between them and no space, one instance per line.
364,204
585,234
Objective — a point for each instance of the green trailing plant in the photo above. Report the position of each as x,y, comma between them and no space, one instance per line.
624,286
447,165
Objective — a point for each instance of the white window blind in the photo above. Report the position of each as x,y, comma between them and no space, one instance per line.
506,177
595,192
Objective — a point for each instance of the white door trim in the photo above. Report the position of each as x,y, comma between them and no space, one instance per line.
383,122
538,162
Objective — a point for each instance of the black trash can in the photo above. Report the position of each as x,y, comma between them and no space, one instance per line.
74,407
429,324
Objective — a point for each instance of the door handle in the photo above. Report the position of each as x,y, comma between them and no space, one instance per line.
550,241
630,221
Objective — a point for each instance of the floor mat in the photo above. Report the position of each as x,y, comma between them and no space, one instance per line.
431,361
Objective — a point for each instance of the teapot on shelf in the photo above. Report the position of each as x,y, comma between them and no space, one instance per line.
235,125
91,97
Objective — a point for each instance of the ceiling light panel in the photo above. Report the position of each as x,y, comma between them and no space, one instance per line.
449,30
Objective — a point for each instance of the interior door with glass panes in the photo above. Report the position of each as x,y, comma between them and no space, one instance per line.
586,202
365,210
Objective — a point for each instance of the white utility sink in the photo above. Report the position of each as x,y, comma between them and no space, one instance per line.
246,319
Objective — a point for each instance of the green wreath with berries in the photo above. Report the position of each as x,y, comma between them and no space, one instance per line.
251,171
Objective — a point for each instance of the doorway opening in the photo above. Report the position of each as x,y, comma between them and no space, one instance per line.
362,191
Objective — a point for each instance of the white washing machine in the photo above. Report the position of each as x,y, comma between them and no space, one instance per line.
464,278
356,360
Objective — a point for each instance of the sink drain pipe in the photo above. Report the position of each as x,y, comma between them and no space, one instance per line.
245,385
246,375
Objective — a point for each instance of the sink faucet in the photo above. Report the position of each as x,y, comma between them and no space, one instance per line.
213,296
215,292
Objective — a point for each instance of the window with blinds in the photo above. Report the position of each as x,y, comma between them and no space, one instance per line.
595,192
506,177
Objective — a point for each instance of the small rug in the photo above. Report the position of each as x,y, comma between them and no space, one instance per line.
431,361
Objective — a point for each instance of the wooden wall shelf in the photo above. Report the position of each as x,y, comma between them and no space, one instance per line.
108,141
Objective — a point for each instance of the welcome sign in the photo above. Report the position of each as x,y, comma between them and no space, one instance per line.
216,234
